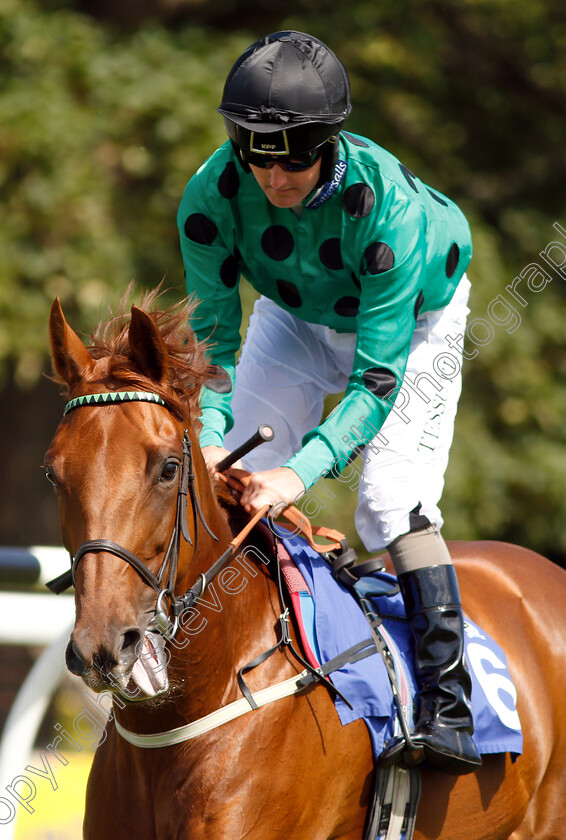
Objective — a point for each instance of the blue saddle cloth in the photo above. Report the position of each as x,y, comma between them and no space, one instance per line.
334,621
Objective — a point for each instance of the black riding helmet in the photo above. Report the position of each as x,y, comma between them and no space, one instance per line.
287,94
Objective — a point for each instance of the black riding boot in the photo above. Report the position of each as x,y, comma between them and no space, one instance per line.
443,731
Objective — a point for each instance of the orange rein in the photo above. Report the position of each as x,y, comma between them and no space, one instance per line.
297,522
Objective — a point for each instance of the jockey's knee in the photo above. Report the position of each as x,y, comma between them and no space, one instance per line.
419,549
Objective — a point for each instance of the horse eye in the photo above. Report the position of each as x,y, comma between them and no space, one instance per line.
169,471
50,477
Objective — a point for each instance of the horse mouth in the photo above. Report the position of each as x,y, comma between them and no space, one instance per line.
142,678
148,677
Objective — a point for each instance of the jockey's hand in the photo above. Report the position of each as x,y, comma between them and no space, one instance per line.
272,487
212,456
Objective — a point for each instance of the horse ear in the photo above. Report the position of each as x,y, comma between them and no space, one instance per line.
71,360
148,347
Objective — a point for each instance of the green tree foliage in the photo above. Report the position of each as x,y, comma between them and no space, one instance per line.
100,129
98,135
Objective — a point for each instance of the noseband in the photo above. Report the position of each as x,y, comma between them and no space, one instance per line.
185,489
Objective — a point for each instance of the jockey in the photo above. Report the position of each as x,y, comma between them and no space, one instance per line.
361,273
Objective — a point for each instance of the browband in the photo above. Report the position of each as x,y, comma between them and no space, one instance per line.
114,397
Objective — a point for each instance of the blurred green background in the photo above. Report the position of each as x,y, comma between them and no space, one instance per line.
106,110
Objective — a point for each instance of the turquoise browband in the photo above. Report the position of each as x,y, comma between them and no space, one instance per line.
114,397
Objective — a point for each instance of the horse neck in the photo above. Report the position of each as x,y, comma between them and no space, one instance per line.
231,623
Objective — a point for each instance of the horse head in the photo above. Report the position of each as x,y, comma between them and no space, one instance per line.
117,462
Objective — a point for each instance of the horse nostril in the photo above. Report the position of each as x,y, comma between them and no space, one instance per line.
75,662
131,641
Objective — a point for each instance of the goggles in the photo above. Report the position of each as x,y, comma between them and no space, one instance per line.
290,163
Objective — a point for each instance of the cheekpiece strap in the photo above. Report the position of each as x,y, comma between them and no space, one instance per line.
114,397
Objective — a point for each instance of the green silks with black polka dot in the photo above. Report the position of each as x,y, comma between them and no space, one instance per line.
381,249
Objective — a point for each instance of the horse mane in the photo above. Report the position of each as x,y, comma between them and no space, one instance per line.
190,367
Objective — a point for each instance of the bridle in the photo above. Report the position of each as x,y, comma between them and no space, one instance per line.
163,586
186,489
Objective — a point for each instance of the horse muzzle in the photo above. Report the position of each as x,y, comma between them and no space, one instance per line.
134,666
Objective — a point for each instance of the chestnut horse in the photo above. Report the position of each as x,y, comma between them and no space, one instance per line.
288,769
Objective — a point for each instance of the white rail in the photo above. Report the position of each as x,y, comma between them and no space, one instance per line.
31,618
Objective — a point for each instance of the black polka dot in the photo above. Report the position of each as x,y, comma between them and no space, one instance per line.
452,260
409,177
277,242
356,280
347,306
201,229
229,181
219,381
230,271
356,141
379,258
437,197
330,254
289,293
418,303
358,200
380,381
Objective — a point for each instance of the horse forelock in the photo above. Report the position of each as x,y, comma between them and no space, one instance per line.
189,365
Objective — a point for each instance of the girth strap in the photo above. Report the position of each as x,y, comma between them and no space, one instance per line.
284,639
